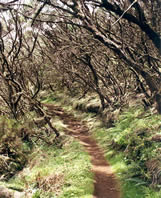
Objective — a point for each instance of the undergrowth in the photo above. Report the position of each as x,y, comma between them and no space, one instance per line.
128,145
14,149
58,170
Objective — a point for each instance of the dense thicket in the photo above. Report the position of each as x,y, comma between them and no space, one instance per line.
95,49
111,48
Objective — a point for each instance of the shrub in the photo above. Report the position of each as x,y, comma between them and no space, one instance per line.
12,148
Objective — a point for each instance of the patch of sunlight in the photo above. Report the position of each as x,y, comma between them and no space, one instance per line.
119,167
58,123
116,161
151,194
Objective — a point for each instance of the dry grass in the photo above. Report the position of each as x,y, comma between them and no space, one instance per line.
52,183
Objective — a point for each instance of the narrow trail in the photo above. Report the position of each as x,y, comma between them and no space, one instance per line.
105,183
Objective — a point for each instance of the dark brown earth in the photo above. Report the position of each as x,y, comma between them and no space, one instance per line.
105,183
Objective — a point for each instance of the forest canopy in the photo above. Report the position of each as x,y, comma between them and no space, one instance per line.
111,48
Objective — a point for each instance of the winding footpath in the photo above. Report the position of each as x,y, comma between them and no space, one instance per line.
105,183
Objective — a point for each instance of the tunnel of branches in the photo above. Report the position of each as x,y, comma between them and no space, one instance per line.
110,48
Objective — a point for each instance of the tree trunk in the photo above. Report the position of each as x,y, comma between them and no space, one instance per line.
158,102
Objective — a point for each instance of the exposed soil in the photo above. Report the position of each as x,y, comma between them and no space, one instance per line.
105,183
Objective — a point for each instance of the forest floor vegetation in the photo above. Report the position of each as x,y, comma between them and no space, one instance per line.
131,143
105,182
61,169
129,139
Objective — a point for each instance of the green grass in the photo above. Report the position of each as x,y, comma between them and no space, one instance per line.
61,170
132,187
70,164
131,121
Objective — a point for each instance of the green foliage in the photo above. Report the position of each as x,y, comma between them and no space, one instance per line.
13,151
48,99
132,134
61,170
36,194
149,193
127,146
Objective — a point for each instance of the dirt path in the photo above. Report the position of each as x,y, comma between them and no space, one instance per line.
105,183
